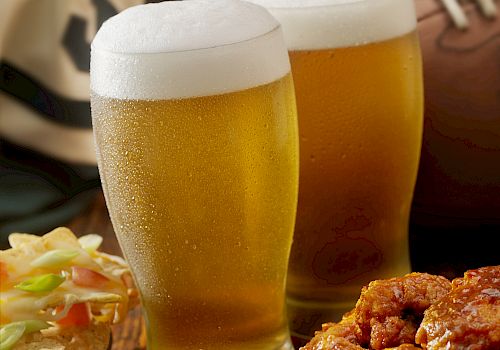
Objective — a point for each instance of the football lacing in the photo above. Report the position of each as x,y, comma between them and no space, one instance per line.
487,7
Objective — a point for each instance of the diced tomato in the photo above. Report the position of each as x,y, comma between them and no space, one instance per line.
78,315
84,277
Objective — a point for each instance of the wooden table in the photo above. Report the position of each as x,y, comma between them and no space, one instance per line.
95,219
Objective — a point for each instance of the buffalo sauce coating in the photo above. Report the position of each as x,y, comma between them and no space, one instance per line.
468,316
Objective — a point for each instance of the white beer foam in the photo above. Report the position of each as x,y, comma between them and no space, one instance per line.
179,49
322,24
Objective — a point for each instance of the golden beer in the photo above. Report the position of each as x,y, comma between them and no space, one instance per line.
202,192
359,98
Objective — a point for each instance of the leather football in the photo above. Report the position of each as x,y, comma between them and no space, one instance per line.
459,173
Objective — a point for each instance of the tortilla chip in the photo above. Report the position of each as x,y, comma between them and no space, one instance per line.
59,238
16,240
95,337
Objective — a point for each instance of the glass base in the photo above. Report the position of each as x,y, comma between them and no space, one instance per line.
306,317
283,342
287,345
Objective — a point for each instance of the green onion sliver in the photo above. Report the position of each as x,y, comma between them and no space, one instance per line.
54,258
90,242
42,283
35,325
10,334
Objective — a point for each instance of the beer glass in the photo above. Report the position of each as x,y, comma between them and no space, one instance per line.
357,71
195,126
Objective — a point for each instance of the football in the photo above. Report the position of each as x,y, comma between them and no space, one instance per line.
457,195
459,172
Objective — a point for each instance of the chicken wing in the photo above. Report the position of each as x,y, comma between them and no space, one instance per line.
468,317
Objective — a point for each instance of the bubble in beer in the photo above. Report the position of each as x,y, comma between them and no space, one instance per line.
187,49
321,24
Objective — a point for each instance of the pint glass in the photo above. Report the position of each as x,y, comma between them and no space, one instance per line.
195,125
357,73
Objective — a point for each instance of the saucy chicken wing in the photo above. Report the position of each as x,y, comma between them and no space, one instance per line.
386,315
466,318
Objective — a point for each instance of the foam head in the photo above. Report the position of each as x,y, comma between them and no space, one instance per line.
322,24
179,49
